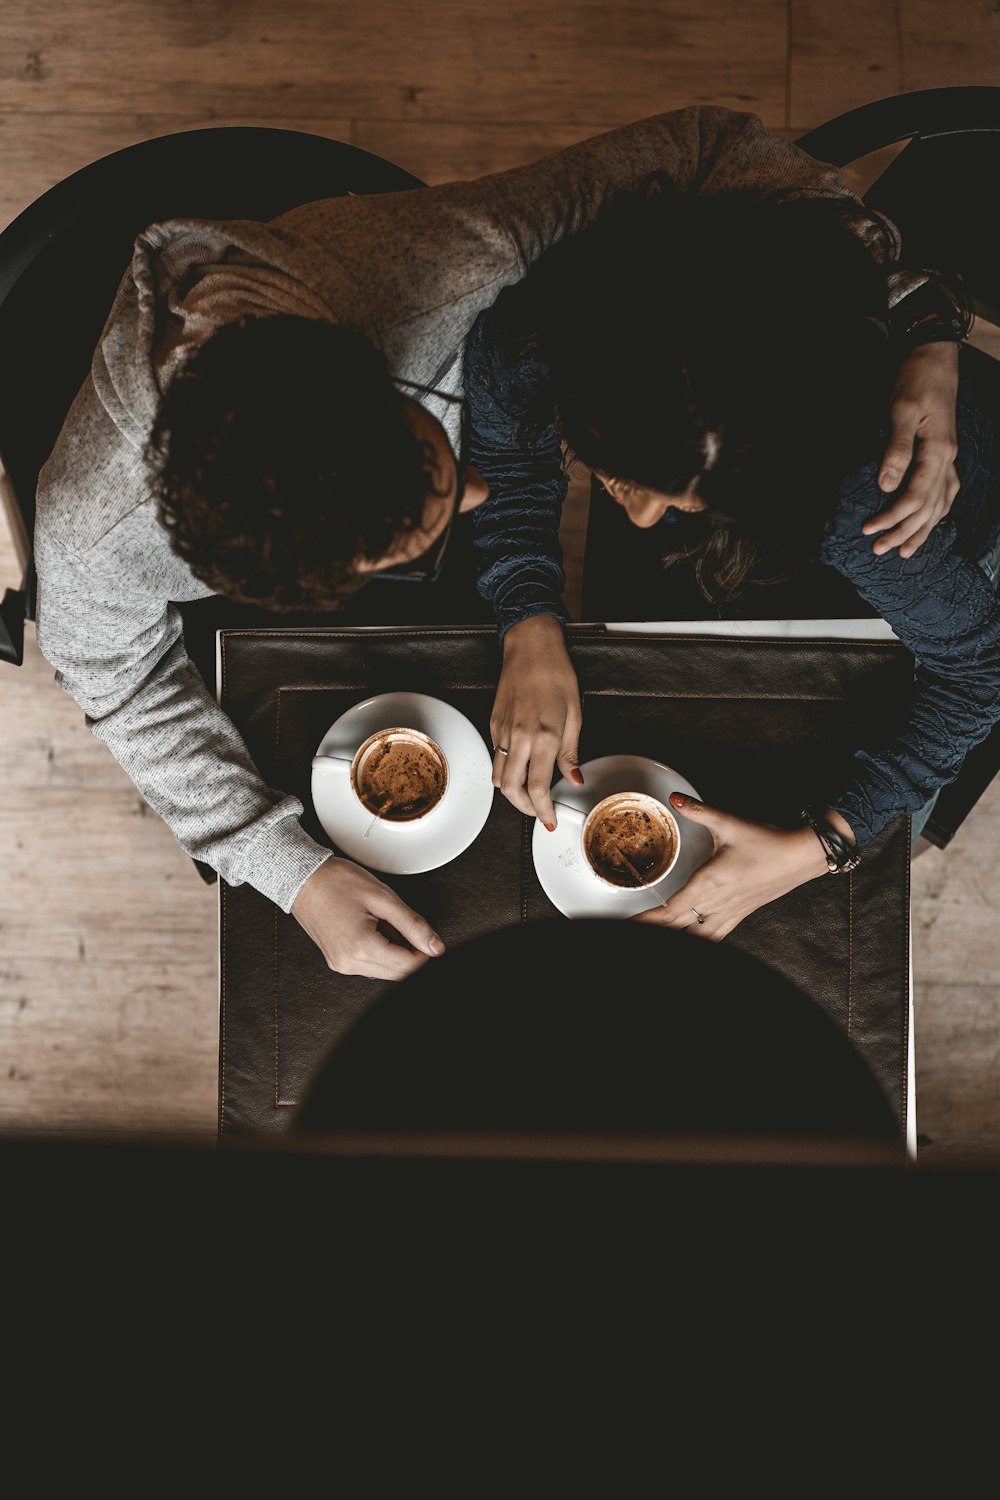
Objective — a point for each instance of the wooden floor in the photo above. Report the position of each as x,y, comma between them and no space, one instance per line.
108,1018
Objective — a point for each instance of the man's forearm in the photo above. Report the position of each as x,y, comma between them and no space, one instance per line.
698,149
457,245
186,758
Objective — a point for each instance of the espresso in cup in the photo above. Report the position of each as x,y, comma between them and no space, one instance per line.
630,840
399,775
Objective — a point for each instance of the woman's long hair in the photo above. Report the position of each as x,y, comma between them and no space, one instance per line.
737,343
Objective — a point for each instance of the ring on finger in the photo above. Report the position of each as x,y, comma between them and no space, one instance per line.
500,750
701,919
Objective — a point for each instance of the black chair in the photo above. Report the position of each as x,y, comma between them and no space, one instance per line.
938,190
597,1028
61,261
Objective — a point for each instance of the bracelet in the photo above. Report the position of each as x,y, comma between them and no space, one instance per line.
939,302
841,857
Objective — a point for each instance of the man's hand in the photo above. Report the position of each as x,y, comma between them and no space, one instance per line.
341,907
752,864
924,436
536,717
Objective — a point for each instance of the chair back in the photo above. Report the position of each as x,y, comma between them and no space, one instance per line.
62,259
938,189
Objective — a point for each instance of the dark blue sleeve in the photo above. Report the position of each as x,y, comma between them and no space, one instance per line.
943,607
515,531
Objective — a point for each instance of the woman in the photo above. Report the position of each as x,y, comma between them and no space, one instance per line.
724,367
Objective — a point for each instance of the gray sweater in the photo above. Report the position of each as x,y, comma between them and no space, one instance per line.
413,271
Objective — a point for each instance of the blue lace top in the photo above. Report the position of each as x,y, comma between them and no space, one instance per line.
941,602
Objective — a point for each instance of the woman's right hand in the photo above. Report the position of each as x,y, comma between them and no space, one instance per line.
536,717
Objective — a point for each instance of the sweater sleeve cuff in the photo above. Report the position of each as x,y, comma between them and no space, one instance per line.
532,594
852,810
866,818
281,859
528,612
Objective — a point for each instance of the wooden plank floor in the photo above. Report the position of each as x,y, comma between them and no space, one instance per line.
108,1015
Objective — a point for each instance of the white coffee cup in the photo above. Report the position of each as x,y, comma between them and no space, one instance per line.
397,775
644,848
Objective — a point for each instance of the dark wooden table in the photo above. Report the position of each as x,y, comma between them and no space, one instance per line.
758,725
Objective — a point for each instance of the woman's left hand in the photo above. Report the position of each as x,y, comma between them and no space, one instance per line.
752,864
925,443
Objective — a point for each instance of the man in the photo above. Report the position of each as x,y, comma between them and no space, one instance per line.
124,532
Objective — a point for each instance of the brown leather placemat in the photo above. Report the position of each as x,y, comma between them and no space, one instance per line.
759,727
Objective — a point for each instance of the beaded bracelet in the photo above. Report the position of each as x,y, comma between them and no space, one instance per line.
841,857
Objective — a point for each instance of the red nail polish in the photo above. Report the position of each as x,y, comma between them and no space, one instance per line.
550,827
678,799
577,776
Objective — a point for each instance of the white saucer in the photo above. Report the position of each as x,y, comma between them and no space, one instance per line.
559,860
449,828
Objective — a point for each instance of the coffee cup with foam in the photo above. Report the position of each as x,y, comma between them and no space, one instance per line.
398,775
629,840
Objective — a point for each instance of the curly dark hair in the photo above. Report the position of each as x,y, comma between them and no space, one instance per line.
736,342
280,454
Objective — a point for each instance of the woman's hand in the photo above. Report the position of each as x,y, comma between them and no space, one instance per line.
752,864
536,717
923,435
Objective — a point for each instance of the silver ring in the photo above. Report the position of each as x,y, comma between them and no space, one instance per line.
698,914
499,750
